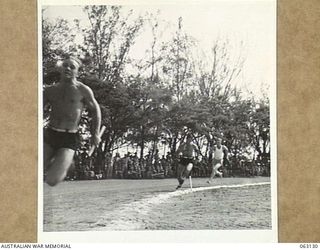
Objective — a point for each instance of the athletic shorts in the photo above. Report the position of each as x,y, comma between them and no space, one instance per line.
59,140
185,161
216,161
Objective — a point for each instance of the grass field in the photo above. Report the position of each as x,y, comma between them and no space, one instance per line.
155,205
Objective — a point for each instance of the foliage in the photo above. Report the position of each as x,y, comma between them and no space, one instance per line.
170,92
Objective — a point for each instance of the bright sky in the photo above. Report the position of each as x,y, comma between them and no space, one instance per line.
253,22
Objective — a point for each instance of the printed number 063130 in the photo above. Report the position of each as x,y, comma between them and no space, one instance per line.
308,245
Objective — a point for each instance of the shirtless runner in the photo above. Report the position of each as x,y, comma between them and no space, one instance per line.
186,151
67,100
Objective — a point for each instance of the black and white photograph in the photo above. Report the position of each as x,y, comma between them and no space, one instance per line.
157,121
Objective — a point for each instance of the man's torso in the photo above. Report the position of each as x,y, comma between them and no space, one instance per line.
66,103
218,153
188,150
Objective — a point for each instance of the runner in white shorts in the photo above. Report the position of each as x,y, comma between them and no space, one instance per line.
219,152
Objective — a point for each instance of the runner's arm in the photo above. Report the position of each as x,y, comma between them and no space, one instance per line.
226,152
95,112
179,150
45,97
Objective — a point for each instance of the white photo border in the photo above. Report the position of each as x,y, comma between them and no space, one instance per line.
159,236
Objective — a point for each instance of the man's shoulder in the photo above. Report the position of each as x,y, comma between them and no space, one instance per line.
82,86
85,90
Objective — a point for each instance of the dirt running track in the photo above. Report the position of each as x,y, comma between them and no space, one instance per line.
227,203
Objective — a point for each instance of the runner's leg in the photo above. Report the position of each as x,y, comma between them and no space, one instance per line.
215,167
180,174
188,169
216,171
212,173
48,154
59,166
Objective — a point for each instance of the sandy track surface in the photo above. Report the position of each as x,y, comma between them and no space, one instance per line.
228,203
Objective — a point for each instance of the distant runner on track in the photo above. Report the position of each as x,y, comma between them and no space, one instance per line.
220,152
187,151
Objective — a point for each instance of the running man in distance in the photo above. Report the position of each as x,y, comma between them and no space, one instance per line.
67,100
220,152
187,152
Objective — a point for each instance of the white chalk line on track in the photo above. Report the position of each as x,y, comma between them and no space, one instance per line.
127,220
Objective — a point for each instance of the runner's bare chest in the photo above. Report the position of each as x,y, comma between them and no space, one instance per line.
67,98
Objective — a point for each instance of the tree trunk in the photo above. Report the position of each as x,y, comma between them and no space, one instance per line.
142,144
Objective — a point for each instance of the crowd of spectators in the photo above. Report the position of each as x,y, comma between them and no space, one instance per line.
130,166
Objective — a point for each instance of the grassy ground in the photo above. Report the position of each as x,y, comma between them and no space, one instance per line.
155,205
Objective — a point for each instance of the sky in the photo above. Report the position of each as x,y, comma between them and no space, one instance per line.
251,22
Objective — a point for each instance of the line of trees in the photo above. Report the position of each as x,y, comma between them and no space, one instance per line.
157,100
